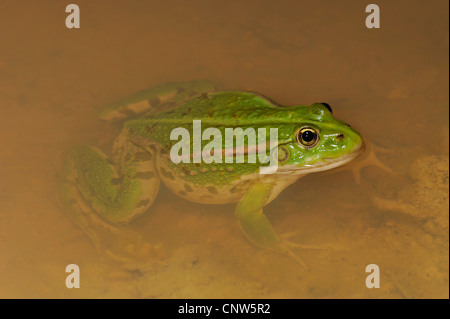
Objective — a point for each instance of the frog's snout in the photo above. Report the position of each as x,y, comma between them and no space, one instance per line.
358,144
350,139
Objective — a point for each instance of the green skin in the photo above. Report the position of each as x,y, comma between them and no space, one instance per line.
101,192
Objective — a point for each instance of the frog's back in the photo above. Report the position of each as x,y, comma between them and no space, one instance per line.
221,110
228,107
155,100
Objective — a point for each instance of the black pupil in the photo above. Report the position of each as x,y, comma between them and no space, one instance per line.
308,136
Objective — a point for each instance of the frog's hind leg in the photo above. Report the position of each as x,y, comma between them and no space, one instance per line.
101,192
156,99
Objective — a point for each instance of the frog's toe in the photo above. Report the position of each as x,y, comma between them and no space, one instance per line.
288,247
128,247
290,252
371,158
368,158
134,254
303,246
288,236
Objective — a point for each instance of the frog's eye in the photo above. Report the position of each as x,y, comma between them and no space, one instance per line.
328,107
308,137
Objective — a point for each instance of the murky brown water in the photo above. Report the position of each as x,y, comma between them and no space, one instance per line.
391,84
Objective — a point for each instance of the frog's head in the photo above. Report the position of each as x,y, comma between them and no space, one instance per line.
318,142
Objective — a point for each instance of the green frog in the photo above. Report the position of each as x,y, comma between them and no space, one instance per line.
103,192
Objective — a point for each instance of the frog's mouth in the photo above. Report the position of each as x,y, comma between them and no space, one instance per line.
325,163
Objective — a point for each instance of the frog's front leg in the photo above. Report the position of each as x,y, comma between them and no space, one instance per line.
257,227
101,192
